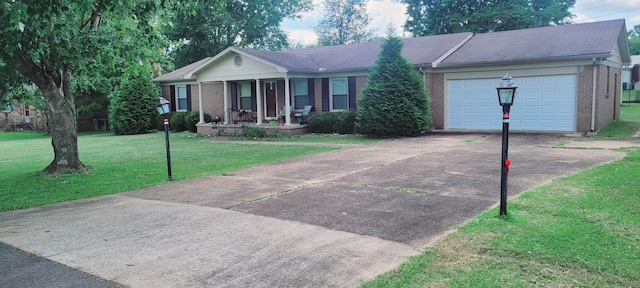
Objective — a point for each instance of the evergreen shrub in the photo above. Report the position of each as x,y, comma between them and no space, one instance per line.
177,121
322,122
394,101
132,109
345,122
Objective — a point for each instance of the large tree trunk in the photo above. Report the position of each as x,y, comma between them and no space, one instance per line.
56,89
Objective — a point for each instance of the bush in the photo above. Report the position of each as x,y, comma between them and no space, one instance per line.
177,122
322,122
345,122
255,133
192,118
133,104
183,121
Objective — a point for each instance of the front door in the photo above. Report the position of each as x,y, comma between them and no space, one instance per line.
270,99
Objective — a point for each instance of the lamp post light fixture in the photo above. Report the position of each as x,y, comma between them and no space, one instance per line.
163,107
506,92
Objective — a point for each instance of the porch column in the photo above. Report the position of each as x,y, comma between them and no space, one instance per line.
287,102
200,108
225,96
258,102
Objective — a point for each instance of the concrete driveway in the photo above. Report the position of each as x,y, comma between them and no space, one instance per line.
329,220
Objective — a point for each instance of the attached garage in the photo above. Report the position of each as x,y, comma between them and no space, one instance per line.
542,103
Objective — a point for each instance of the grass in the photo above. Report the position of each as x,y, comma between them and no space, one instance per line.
122,163
627,126
578,231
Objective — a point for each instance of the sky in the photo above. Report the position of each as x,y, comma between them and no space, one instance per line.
383,13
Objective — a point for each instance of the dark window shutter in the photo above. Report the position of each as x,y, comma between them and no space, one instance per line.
234,96
325,94
188,97
290,91
172,98
254,101
352,92
311,92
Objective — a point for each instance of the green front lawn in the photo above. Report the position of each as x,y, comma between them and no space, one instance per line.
122,163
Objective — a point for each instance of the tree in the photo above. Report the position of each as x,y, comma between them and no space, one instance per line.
344,22
204,28
47,42
634,40
432,17
133,105
394,101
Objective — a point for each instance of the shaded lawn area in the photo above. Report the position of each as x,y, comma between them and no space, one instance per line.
122,163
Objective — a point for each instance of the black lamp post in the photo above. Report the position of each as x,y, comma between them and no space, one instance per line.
164,109
506,92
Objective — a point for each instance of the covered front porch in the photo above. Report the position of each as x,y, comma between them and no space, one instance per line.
238,89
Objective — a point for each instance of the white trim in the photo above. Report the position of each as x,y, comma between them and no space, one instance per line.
213,59
225,95
200,109
177,98
306,82
258,104
287,102
240,96
331,94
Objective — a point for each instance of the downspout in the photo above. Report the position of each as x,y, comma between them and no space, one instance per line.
593,99
424,76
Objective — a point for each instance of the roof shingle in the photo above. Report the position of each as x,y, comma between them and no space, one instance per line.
546,43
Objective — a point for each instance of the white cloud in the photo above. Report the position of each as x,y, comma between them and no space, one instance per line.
581,18
383,13
302,36
625,3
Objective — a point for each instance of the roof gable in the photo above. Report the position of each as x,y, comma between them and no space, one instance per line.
596,39
178,74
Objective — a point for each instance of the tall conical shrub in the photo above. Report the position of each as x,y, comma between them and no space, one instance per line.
394,101
132,109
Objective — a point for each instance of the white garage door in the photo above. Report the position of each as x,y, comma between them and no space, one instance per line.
542,103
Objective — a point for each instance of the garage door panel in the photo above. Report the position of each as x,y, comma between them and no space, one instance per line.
542,103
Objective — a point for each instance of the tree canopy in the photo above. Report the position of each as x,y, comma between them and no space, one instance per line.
432,17
634,40
202,28
344,22
49,42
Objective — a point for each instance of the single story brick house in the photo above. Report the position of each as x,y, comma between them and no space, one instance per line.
568,78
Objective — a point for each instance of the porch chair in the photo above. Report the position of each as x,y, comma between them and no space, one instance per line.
283,112
304,114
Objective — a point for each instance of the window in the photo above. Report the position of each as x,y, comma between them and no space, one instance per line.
339,94
245,96
300,94
181,98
